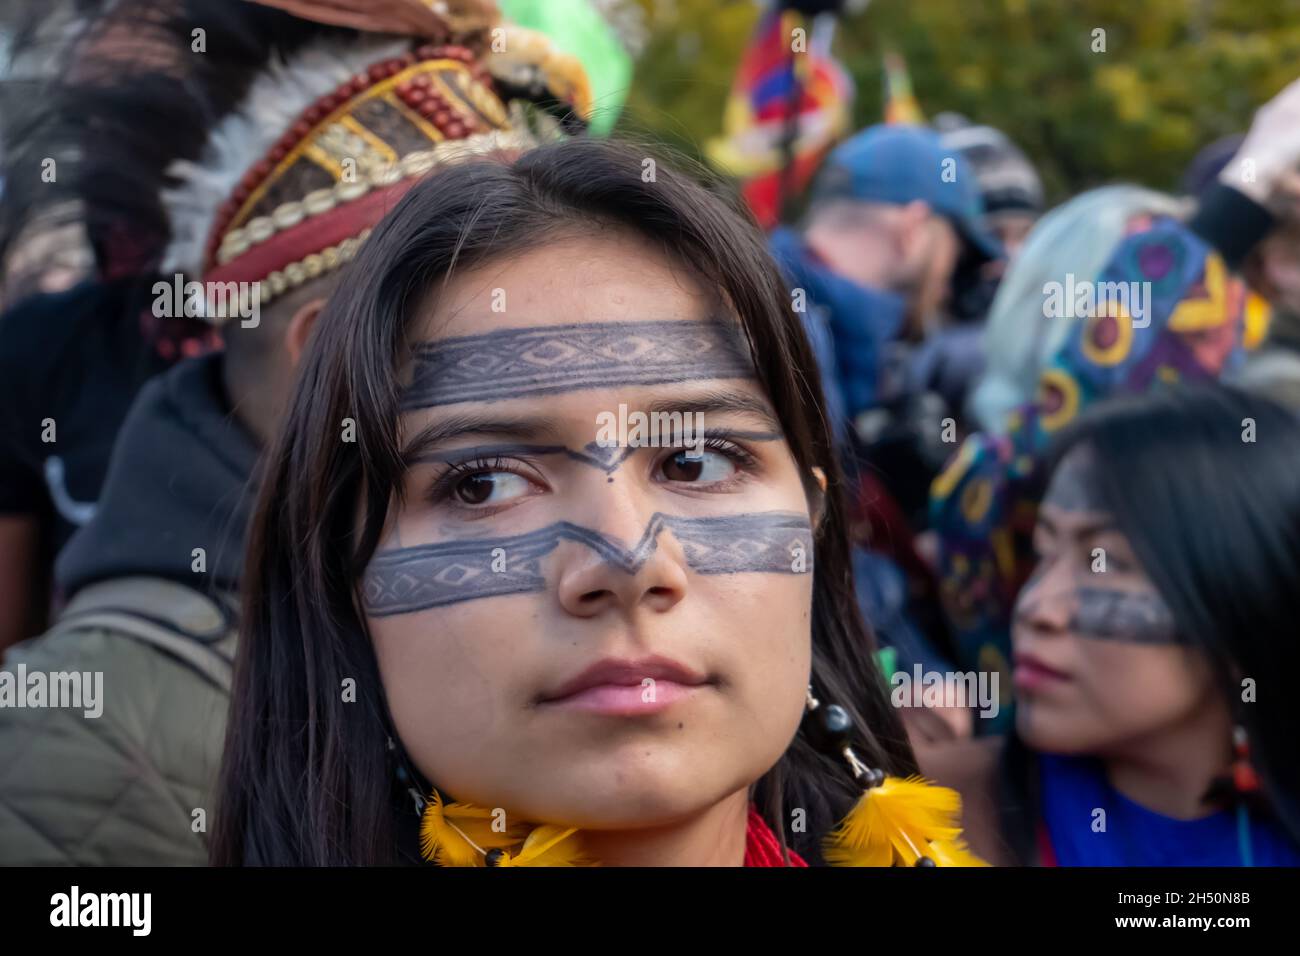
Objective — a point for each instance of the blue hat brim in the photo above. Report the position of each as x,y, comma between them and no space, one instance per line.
981,245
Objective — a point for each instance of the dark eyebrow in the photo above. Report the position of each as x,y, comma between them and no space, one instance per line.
1085,530
1103,526
717,402
459,426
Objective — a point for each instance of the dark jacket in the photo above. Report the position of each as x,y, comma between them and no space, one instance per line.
850,325
134,785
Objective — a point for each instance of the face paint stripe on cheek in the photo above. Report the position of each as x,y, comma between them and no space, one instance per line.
511,363
745,543
1136,617
404,580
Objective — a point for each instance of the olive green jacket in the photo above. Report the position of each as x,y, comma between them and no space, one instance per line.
133,786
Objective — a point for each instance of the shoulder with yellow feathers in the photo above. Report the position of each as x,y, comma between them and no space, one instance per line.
897,822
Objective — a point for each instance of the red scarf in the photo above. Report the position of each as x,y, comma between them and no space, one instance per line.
761,846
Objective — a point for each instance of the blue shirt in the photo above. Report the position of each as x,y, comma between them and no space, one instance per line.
1074,788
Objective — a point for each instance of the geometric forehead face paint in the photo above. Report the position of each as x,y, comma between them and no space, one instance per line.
1136,617
1073,486
514,363
403,580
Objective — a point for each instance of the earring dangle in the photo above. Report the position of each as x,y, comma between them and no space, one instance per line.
896,821
1244,778
403,775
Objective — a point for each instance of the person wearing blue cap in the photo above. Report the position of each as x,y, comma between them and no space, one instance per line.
891,216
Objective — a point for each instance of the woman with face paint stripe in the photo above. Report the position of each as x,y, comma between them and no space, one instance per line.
473,628
1154,647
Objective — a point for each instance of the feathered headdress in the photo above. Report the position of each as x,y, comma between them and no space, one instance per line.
325,143
191,98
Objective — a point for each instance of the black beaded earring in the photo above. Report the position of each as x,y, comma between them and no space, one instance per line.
907,822
404,776
830,729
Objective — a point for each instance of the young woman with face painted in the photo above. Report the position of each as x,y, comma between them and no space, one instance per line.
1154,647
457,591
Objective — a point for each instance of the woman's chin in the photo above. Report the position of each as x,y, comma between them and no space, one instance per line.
625,802
1049,732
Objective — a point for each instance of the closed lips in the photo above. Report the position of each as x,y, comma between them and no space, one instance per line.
621,673
1029,663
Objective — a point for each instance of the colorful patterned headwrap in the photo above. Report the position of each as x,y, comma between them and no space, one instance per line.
983,505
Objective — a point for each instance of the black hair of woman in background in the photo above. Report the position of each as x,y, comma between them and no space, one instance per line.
459,570
1154,647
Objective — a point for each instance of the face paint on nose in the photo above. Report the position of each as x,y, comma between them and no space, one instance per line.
1135,617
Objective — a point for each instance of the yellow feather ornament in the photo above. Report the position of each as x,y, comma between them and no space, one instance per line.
549,846
896,823
953,853
458,834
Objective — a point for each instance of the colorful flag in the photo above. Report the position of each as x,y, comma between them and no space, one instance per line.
783,69
900,104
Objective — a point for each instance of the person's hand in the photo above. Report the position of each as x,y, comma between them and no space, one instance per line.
936,725
1285,199
1271,148
1273,268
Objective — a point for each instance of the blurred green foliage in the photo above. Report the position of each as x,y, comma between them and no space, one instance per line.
1175,74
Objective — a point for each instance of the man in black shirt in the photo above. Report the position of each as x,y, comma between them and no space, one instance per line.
70,365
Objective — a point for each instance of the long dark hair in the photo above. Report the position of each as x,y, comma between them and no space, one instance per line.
1214,520
306,779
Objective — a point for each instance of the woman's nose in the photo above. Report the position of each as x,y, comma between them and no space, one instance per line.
627,559
1046,602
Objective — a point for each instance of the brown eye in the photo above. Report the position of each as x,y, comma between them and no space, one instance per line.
708,466
490,487
681,467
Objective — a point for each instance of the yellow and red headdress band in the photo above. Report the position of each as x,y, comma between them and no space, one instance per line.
282,211
306,206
